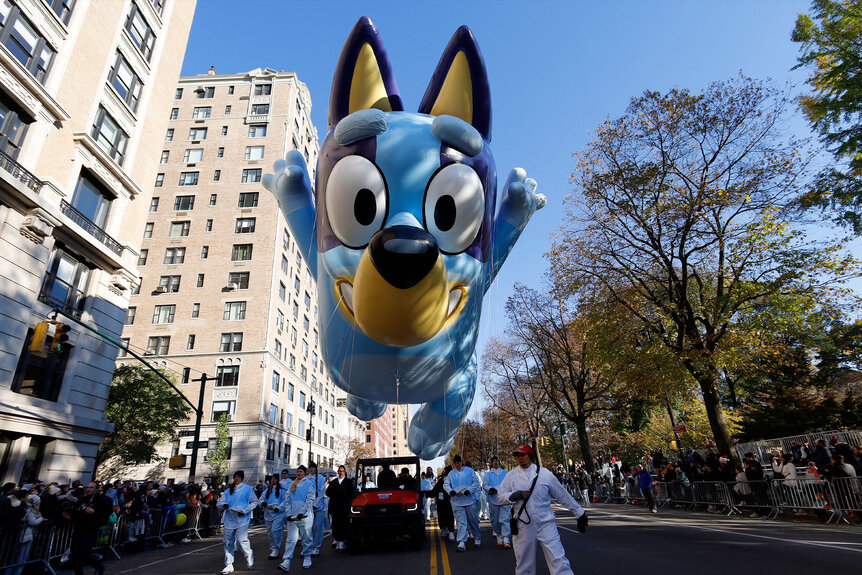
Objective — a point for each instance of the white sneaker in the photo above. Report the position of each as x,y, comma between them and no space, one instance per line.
251,564
306,562
273,554
315,551
451,536
185,540
477,541
461,547
227,569
284,565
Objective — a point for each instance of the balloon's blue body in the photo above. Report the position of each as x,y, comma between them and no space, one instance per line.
403,233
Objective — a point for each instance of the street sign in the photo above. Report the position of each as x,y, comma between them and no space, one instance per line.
679,429
201,444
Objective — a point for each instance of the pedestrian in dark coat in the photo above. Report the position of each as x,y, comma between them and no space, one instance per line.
340,492
445,515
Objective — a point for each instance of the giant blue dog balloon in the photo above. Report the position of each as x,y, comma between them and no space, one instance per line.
403,233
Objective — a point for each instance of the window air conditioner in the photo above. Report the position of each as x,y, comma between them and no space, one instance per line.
161,289
231,287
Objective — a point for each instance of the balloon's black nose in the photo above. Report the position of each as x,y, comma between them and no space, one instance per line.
403,255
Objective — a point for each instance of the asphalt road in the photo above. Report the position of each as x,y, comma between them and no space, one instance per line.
620,539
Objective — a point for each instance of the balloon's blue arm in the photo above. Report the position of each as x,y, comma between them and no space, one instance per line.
520,202
292,188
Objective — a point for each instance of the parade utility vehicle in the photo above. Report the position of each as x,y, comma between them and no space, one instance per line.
387,506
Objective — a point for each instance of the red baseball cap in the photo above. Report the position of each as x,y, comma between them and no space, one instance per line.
523,449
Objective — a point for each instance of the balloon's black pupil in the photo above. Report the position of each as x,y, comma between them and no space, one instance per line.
364,206
444,213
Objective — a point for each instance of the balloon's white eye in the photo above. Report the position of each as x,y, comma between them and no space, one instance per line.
356,200
454,207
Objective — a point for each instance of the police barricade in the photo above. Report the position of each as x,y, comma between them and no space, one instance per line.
754,496
186,526
23,546
602,493
847,492
661,492
801,495
633,493
714,495
61,543
616,493
680,495
153,527
105,538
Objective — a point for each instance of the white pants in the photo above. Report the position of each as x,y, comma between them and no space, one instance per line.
467,517
298,530
232,537
547,535
499,515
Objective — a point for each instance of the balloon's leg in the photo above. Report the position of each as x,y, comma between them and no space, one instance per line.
364,409
433,428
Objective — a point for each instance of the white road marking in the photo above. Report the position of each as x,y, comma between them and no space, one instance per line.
828,545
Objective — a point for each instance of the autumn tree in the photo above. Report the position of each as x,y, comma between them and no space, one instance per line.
351,450
830,40
219,456
679,213
144,410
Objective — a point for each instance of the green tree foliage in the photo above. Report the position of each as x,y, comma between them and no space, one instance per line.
145,411
218,456
680,214
830,40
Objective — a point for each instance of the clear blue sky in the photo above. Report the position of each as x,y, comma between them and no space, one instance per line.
557,69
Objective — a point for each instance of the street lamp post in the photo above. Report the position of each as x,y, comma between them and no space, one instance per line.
309,434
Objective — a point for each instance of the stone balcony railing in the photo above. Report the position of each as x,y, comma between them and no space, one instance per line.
9,164
91,228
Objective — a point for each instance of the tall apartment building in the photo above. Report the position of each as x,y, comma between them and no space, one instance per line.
379,434
224,290
400,425
85,87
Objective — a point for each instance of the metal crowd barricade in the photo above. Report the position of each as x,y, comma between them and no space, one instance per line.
15,555
190,527
681,495
847,492
753,495
154,526
633,493
602,493
805,494
713,494
661,492
616,493
61,543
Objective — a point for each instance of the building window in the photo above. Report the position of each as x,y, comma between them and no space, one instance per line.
208,227
25,43
140,32
175,113
248,199
110,137
303,372
205,252
260,109
201,112
234,310
174,256
367,439
122,352
282,291
166,154
189,178
184,203
227,110
238,279
230,90
207,92
278,349
179,229
148,230
307,303
130,316
231,341
227,376
244,226
197,134
279,320
295,310
169,135
216,175
12,127
257,131
241,252
263,90
212,446
160,180
164,314
213,198
196,310
283,264
158,345
193,155
296,288
142,257
224,130
200,283
178,95
124,80
190,342
154,205
270,445
220,153
62,8
224,409
170,283
276,380
285,240
254,152
91,199
39,375
251,176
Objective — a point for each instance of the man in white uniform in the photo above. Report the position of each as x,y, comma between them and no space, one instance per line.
463,487
237,503
498,509
537,521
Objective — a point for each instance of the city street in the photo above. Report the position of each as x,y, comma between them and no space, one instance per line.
620,539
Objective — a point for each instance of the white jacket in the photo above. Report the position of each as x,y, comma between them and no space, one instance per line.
240,505
787,470
539,504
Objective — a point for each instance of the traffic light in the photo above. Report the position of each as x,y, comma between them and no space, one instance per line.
61,336
308,434
563,428
40,332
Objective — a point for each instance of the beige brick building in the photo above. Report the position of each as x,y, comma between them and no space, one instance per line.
224,290
85,89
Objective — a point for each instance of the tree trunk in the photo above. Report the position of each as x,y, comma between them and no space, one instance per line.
708,381
584,442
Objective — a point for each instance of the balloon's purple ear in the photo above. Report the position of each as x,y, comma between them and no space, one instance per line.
459,86
363,77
